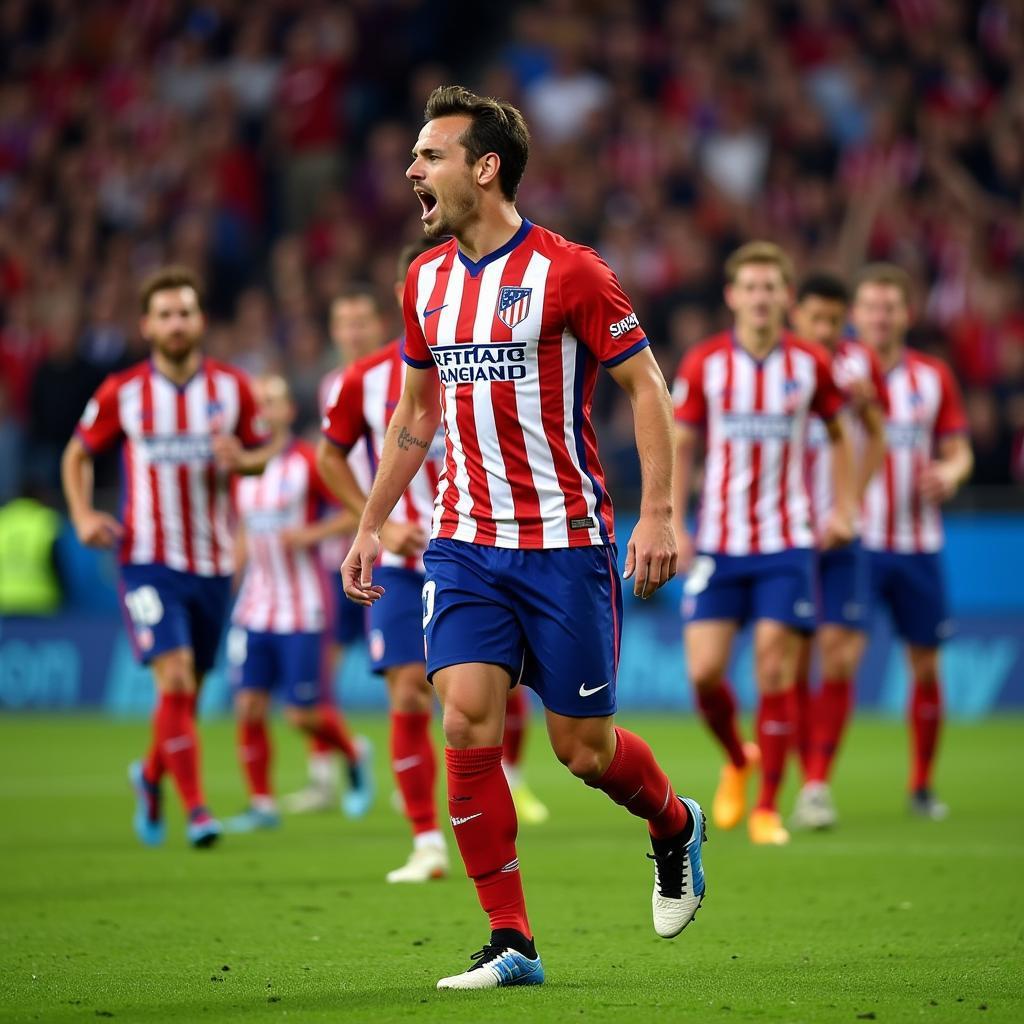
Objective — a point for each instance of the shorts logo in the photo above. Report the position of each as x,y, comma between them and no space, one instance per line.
587,692
803,609
376,642
513,305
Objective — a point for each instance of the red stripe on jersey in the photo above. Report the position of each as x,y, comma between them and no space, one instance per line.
211,480
147,425
787,536
436,299
755,466
184,491
723,543
917,464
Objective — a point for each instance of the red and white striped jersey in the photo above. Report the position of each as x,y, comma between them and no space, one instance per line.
755,498
175,502
924,406
516,339
284,589
851,363
362,409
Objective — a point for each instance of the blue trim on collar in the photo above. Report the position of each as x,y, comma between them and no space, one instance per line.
475,268
180,388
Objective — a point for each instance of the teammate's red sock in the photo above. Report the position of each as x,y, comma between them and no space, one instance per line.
925,724
174,730
333,732
775,713
803,726
484,820
153,763
831,709
634,780
515,727
415,767
718,706
254,753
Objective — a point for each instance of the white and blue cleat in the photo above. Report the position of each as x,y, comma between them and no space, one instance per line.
203,829
252,819
358,798
497,967
148,820
678,876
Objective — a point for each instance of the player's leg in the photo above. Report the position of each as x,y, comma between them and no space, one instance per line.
529,809
804,703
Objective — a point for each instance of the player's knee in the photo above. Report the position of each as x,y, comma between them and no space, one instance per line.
175,674
409,691
584,761
461,729
771,675
303,718
706,674
924,666
249,706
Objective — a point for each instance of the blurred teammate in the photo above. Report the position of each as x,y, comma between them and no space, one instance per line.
280,613
186,423
752,390
521,581
928,458
841,573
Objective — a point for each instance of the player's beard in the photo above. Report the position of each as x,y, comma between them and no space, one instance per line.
177,351
457,211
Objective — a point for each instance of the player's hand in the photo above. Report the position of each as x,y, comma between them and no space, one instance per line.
405,539
839,530
685,549
861,391
228,452
937,482
357,569
651,555
98,529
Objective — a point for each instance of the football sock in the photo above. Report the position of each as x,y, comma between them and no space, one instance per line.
318,745
254,753
718,706
415,767
831,712
174,729
774,735
634,780
332,731
925,723
484,821
153,764
803,725
515,727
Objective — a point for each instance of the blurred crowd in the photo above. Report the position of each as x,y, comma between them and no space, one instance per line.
265,142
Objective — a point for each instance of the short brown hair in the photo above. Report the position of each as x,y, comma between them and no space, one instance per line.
166,278
889,274
409,253
763,253
356,292
497,127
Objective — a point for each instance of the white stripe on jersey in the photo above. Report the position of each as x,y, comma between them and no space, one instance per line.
196,423
165,421
709,536
772,488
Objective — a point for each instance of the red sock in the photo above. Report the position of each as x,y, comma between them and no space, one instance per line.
174,730
925,723
634,780
153,763
254,753
484,820
332,731
775,713
415,767
515,727
718,706
316,744
803,726
831,709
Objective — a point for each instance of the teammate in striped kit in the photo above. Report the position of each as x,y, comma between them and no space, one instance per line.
186,423
928,458
280,614
753,390
841,575
521,577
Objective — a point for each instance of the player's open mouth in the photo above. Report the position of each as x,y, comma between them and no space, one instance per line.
427,200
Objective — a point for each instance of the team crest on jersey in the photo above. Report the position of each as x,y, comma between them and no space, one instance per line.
513,305
215,414
791,394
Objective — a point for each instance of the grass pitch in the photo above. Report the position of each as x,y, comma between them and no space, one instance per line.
886,918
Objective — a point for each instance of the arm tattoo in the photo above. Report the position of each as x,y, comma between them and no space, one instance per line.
406,440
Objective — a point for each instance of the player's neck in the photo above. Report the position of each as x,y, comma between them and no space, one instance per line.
489,232
758,343
890,357
178,373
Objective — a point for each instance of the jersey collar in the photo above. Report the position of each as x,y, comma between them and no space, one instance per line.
475,268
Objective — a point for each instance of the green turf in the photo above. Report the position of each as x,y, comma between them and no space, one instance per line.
886,918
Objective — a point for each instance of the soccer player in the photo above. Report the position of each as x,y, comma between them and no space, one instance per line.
280,613
928,458
186,423
840,574
752,390
512,321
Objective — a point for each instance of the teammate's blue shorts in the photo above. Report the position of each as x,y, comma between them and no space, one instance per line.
349,617
748,588
396,620
842,586
166,609
551,617
289,663
912,588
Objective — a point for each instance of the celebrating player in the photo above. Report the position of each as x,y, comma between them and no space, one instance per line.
187,422
928,458
521,580
841,573
280,613
752,389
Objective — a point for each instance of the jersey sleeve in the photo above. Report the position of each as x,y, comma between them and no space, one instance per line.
343,422
688,399
950,418
828,400
317,485
250,428
415,350
100,425
597,310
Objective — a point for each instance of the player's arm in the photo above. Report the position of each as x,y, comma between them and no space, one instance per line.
838,529
241,557
651,554
687,441
951,468
232,456
338,523
95,529
872,418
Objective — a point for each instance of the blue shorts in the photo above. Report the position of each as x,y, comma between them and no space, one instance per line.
748,588
396,620
842,579
349,617
552,618
288,662
166,609
912,588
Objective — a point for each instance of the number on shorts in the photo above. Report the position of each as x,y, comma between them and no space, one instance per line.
428,601
144,606
699,576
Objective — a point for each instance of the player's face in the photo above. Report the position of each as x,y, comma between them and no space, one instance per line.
442,178
758,297
880,315
820,320
174,323
274,403
356,327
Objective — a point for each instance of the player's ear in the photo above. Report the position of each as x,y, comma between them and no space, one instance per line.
487,168
729,293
